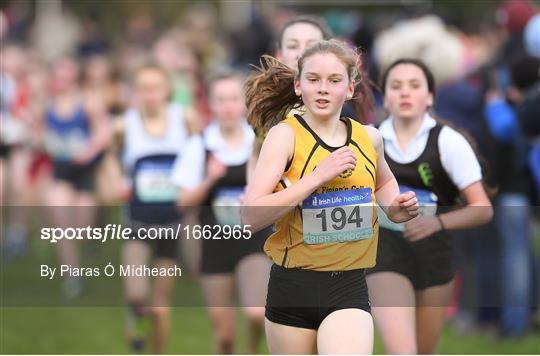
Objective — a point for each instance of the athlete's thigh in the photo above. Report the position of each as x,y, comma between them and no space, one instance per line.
19,163
346,331
436,296
432,304
218,289
393,308
60,194
252,274
284,339
86,199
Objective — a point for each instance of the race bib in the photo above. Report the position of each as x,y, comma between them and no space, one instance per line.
338,216
12,131
226,206
428,207
63,147
153,183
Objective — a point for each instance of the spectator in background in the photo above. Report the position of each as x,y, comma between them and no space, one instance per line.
139,35
529,110
251,42
512,16
363,38
427,39
92,38
200,22
526,78
531,36
460,100
506,119
3,25
140,27
16,156
56,31
24,169
18,18
512,206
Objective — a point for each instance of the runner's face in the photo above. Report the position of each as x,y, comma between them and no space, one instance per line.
296,38
324,84
152,89
227,102
65,74
407,96
98,69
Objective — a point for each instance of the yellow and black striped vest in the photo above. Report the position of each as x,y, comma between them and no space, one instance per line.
328,232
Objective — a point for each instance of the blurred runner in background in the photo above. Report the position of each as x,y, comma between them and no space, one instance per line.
76,135
212,174
153,133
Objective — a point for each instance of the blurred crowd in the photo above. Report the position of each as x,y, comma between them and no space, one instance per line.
66,84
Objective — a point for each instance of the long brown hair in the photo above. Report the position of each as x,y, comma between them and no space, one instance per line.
270,88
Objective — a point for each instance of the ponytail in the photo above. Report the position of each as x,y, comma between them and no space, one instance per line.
363,101
270,94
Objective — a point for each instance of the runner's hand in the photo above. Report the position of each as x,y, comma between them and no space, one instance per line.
403,208
338,162
421,227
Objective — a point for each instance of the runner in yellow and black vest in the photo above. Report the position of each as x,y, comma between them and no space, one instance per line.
342,210
318,178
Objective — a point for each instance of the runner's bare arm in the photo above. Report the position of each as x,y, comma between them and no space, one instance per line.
252,163
477,212
398,207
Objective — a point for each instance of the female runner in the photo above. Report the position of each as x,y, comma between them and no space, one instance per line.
411,285
318,177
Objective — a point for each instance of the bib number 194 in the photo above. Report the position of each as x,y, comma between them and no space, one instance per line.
339,218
